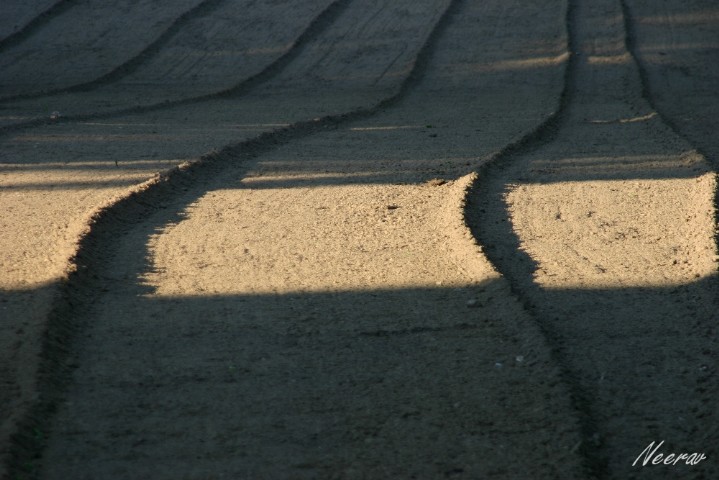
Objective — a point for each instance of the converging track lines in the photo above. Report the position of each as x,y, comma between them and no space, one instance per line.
588,219
313,30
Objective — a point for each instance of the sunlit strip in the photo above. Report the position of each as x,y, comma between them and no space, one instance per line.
700,18
594,284
681,46
389,127
314,176
73,183
74,137
248,51
641,118
392,287
519,64
683,158
60,166
621,59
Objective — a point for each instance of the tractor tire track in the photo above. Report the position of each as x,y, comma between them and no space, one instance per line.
41,248
182,186
570,217
674,116
84,52
71,303
132,64
85,178
58,8
631,46
315,28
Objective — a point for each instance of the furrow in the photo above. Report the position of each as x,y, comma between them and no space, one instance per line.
123,214
648,95
630,44
313,30
454,350
85,179
603,222
71,55
132,64
484,195
35,24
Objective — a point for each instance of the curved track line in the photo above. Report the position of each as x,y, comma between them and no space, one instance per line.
133,63
518,270
631,46
82,285
595,463
313,30
35,24
648,95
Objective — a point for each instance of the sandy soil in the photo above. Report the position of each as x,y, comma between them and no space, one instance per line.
198,57
607,229
88,52
410,239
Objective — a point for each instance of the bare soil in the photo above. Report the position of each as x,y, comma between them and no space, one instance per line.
342,239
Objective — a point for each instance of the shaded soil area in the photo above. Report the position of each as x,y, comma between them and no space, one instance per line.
416,239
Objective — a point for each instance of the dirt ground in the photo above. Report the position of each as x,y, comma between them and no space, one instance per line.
344,239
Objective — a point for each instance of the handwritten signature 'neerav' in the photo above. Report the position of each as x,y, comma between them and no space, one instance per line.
651,456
